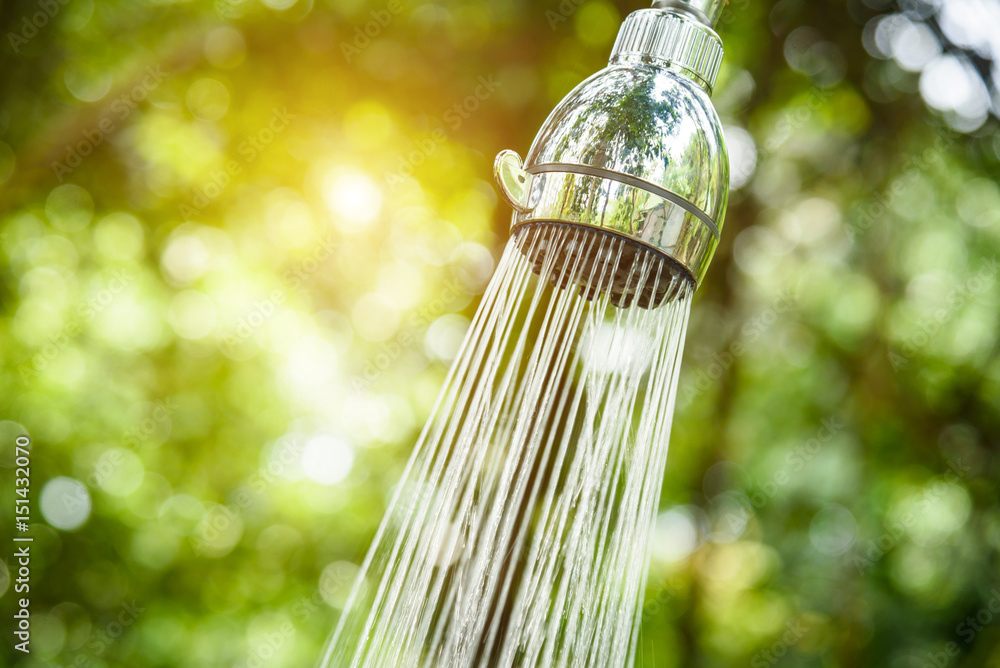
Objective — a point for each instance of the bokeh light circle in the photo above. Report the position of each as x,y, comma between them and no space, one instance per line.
69,208
65,503
327,459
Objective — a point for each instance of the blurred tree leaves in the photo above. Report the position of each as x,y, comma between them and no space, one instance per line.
241,238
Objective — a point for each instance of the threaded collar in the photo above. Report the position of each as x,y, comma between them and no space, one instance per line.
671,38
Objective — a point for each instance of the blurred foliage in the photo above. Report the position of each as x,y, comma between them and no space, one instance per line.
241,241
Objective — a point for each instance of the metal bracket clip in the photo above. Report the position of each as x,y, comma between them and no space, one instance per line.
514,182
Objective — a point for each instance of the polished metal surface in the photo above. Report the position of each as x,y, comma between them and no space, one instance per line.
515,183
637,149
707,11
632,212
671,39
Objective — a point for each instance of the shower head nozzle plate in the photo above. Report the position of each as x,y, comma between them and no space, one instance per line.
596,262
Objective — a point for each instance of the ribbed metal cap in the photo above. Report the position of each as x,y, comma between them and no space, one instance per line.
671,38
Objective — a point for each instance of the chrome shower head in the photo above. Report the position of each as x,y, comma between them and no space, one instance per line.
635,151
706,11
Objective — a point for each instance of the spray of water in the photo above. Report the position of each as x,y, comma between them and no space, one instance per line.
519,534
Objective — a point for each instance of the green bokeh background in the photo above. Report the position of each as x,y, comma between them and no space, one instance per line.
240,243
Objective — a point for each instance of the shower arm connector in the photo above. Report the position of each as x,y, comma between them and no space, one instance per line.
637,149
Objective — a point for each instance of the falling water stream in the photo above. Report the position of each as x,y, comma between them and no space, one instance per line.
519,534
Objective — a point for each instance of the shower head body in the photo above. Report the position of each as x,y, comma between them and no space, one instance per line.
637,150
